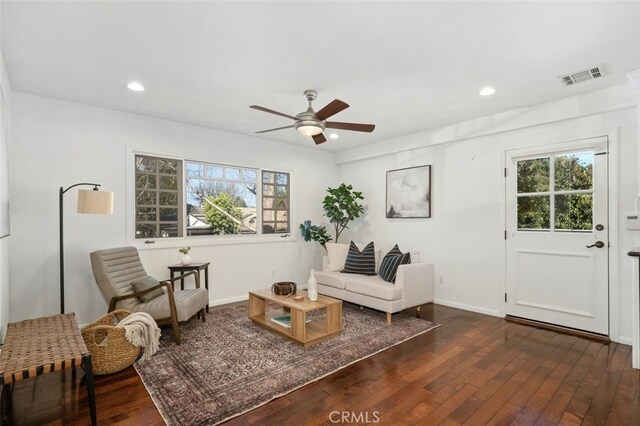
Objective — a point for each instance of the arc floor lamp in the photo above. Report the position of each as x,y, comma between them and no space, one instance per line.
89,202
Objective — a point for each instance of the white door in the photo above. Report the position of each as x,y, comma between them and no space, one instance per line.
557,244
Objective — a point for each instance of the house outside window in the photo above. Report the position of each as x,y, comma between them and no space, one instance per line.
221,199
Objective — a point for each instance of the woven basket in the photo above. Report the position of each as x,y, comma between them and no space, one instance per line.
110,349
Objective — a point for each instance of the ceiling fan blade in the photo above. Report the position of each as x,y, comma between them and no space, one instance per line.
319,138
332,108
259,108
356,127
277,128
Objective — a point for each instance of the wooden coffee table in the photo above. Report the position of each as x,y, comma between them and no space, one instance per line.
301,331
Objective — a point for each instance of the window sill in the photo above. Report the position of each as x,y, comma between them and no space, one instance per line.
164,243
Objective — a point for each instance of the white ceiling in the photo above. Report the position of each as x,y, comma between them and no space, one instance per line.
405,66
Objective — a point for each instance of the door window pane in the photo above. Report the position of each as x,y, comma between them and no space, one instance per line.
574,212
533,212
574,171
533,175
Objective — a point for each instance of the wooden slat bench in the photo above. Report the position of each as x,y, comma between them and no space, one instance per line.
43,345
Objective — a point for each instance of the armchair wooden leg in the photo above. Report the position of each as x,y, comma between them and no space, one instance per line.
176,330
203,315
388,318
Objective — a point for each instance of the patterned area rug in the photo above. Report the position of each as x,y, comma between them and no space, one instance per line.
229,365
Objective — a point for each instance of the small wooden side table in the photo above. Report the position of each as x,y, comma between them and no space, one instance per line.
43,345
194,266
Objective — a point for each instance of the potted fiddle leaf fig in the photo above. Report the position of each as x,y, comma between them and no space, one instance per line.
341,206
314,233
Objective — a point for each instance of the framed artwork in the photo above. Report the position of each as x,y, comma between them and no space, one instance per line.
409,192
4,163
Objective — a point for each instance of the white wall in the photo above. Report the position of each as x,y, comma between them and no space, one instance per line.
5,90
465,236
59,143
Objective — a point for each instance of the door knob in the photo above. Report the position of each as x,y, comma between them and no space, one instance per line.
598,244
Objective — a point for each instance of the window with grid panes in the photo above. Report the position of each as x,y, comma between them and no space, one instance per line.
158,197
555,193
275,202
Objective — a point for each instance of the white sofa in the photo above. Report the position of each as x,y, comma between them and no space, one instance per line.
413,286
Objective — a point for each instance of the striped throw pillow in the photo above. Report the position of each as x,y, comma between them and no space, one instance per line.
391,261
360,262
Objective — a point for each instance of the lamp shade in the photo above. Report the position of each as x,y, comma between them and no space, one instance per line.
95,202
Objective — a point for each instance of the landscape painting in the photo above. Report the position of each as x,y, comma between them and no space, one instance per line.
409,192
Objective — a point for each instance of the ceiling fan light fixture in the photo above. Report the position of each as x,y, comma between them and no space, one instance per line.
309,127
309,130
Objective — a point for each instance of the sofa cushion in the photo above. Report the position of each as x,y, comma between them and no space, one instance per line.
361,262
336,256
390,263
373,286
332,279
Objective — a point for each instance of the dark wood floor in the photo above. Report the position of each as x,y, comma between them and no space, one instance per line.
475,369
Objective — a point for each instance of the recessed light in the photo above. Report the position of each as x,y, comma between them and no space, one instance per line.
135,86
487,91
334,136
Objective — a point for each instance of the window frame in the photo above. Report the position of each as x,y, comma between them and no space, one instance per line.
204,240
157,205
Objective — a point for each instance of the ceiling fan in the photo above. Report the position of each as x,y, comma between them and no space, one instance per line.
312,123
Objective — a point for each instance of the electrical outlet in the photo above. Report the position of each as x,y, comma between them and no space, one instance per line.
441,278
273,272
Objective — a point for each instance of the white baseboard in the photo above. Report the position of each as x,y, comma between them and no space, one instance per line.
492,312
624,340
218,302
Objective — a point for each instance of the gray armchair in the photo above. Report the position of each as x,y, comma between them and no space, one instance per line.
116,269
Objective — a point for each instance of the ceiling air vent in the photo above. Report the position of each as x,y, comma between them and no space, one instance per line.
581,76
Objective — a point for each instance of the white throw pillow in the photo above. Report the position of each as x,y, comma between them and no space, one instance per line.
336,256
